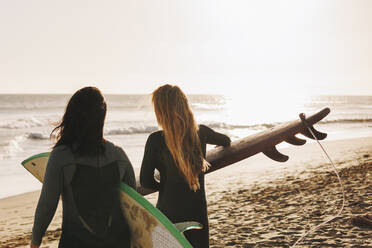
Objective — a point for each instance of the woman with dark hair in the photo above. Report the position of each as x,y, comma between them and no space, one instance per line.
178,153
85,169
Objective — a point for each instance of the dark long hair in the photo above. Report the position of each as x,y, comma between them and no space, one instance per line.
81,127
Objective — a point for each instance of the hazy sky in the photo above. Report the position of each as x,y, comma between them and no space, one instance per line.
205,46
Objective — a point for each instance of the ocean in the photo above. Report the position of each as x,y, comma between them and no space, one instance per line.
27,120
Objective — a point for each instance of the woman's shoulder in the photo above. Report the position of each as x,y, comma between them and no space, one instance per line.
155,136
61,154
110,145
155,140
202,126
61,150
158,133
114,151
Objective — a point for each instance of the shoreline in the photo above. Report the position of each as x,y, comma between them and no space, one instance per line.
250,206
283,147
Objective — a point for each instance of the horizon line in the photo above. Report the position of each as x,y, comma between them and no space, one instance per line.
200,94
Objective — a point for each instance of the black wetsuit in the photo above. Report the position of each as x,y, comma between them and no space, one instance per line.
176,200
57,181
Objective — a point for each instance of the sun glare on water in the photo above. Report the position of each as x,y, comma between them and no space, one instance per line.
248,108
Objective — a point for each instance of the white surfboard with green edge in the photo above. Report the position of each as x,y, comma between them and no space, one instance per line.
149,227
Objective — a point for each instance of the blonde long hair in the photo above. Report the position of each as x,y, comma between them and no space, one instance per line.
181,132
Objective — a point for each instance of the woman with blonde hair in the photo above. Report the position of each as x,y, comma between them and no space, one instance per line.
178,153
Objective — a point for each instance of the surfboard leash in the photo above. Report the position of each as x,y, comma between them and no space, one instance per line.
303,119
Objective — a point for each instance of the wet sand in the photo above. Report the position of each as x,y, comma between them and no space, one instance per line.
258,202
276,215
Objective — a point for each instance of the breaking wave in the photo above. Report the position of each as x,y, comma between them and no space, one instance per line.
38,136
131,130
143,129
357,120
11,147
21,123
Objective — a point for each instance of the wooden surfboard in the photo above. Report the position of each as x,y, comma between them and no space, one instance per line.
264,142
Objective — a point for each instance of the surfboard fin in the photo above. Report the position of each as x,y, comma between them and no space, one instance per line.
318,135
295,141
188,225
274,154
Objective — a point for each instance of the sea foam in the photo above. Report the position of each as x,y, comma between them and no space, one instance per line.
20,123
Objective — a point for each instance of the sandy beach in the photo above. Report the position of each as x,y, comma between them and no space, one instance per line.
269,206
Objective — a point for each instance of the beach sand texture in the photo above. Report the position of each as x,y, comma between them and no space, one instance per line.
272,207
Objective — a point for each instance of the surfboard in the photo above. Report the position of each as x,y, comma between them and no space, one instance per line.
148,226
264,142
267,140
